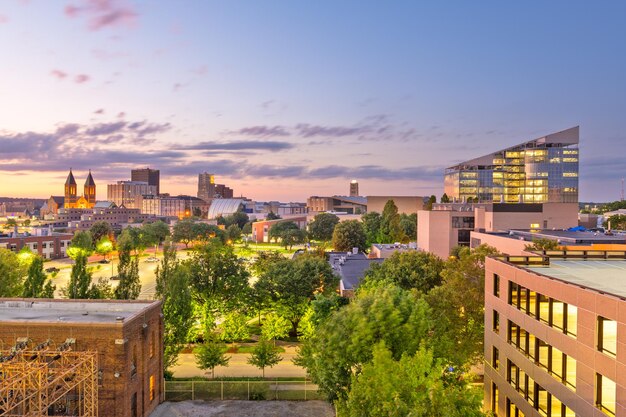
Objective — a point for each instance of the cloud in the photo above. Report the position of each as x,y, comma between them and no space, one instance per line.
105,128
81,78
121,115
240,146
3,19
308,131
102,14
99,111
201,70
61,75
262,131
377,172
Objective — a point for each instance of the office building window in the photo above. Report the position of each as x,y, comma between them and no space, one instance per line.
494,397
152,387
513,292
605,394
495,358
496,285
571,321
496,321
607,336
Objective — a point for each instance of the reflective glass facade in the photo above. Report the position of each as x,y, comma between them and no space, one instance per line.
544,170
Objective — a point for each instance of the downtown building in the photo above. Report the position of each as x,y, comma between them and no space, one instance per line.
126,193
555,334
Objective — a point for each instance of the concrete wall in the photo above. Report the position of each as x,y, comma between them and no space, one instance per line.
504,244
405,204
553,216
435,233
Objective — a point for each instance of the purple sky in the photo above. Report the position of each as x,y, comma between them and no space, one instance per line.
282,100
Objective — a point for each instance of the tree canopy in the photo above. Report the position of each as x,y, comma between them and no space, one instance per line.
390,229
371,225
278,230
349,234
322,226
11,274
408,270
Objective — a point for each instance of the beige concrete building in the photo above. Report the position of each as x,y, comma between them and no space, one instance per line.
405,204
555,335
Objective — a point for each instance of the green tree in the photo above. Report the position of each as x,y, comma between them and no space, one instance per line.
322,226
104,246
272,216
264,355
26,223
408,224
543,244
278,230
371,224
247,229
173,288
234,328
11,274
80,278
459,304
197,212
99,230
81,245
210,354
184,232
417,385
429,204
292,283
218,278
101,290
293,237
617,221
390,229
11,223
35,285
349,234
275,327
419,270
158,230
233,233
343,343
239,218
445,198
128,287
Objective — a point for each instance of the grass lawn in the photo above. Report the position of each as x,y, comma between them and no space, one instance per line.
253,249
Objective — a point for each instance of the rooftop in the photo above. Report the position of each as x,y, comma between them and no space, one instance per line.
70,311
565,237
350,267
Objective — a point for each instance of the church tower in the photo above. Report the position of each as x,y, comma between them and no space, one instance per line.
90,191
70,191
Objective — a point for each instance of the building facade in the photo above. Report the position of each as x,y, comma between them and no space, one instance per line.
208,189
48,246
151,176
125,193
125,336
555,334
345,204
405,204
354,188
543,170
71,199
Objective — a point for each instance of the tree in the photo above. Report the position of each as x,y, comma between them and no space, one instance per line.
35,285
101,290
239,218
408,270
371,224
408,224
417,385
322,226
445,198
247,229
272,216
233,233
104,246
264,355
99,230
11,274
159,230
80,278
26,223
11,223
275,327
617,221
81,245
429,204
278,230
349,234
343,343
390,229
293,237
218,278
543,244
211,354
234,328
459,304
197,212
129,286
292,283
184,232
172,287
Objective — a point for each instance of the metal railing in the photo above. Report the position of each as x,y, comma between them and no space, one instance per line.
241,390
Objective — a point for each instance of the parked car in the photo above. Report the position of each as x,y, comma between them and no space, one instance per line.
104,261
52,269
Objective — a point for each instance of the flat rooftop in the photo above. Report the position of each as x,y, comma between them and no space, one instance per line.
70,311
607,276
565,237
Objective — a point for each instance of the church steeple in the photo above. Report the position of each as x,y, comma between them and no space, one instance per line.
90,190
70,190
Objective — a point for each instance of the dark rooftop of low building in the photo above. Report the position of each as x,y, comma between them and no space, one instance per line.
567,237
351,267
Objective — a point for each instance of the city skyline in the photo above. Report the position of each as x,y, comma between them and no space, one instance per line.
284,101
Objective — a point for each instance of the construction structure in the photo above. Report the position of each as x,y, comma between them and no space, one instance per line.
80,357
48,380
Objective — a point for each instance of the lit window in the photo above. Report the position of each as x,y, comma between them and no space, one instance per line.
152,387
495,358
605,394
496,285
496,321
607,336
570,174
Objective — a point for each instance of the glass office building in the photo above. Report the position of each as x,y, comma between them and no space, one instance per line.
543,170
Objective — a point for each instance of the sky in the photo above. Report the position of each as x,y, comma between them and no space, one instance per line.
282,100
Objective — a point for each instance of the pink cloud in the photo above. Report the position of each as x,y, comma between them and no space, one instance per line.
102,14
3,19
99,111
121,115
81,78
58,74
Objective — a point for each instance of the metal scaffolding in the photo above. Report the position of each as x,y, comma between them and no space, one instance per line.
45,382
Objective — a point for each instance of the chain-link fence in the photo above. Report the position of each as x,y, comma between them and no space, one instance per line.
241,390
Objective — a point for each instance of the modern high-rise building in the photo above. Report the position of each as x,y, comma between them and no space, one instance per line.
206,186
543,170
126,192
555,334
354,188
151,176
